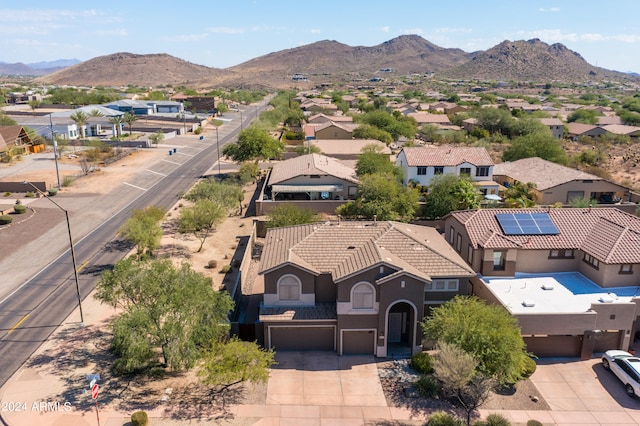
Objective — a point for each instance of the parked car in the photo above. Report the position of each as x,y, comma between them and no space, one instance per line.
626,367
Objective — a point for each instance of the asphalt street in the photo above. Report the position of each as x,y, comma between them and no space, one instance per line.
31,312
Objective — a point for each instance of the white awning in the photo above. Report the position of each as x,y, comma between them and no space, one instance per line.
305,188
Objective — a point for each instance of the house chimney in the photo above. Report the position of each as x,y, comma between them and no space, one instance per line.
339,217
590,205
375,219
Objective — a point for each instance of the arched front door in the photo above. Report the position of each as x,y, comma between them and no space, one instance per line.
401,329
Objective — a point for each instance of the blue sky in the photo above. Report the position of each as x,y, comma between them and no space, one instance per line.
223,33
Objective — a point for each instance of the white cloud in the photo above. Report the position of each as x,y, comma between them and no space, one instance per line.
183,38
551,9
226,30
385,29
418,31
558,36
447,30
315,31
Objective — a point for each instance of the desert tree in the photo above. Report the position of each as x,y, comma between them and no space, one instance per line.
168,312
143,230
201,218
156,137
449,192
288,214
255,144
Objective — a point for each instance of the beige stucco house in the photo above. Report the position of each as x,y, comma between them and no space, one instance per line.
570,276
558,184
355,287
312,181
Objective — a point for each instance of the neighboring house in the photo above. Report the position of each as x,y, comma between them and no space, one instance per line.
609,120
355,287
578,130
348,149
43,125
423,118
556,183
470,124
333,130
421,164
555,125
312,181
14,138
92,127
131,106
321,118
621,129
570,276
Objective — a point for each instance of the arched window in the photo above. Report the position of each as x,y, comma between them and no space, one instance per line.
289,288
363,296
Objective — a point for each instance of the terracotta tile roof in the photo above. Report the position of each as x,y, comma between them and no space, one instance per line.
446,156
348,247
311,164
428,118
321,311
607,233
543,173
348,146
579,128
551,121
621,129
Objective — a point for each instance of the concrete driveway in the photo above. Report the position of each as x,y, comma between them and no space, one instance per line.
322,378
583,392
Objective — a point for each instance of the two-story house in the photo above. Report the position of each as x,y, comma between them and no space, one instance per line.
570,276
421,164
355,287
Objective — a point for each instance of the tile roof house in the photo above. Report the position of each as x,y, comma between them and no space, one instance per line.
421,164
334,130
570,275
428,118
555,125
312,181
556,183
577,130
355,287
621,129
14,137
322,118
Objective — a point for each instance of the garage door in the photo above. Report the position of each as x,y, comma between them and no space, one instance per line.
554,346
302,338
358,342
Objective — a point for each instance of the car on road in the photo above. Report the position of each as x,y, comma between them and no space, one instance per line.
626,367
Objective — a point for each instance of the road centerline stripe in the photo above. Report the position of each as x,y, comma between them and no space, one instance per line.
12,329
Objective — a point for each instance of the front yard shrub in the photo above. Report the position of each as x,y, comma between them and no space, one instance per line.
427,386
52,191
29,194
67,181
5,220
529,368
440,418
493,420
212,264
139,418
225,269
7,194
20,209
422,363
533,422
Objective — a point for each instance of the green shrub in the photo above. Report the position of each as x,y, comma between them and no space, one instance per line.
528,368
427,386
20,209
422,363
7,194
440,418
67,181
496,420
534,423
29,194
212,264
52,191
139,418
225,269
5,220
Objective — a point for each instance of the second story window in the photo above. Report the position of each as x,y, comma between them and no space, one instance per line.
482,171
438,170
422,171
465,171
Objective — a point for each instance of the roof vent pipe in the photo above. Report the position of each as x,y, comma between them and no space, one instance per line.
375,219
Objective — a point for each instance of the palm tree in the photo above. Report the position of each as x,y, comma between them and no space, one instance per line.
129,118
80,118
117,121
156,137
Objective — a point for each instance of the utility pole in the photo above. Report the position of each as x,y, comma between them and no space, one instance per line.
55,149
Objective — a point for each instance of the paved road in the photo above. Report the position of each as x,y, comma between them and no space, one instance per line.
36,308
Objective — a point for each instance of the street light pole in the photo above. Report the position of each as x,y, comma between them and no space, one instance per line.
55,148
73,253
218,147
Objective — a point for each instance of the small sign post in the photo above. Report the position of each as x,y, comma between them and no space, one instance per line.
95,390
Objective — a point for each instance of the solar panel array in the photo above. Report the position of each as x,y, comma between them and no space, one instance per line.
526,224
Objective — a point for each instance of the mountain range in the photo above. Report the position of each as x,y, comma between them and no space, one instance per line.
330,62
36,68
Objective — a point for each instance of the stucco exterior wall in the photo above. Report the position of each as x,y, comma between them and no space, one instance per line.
560,193
613,278
333,132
